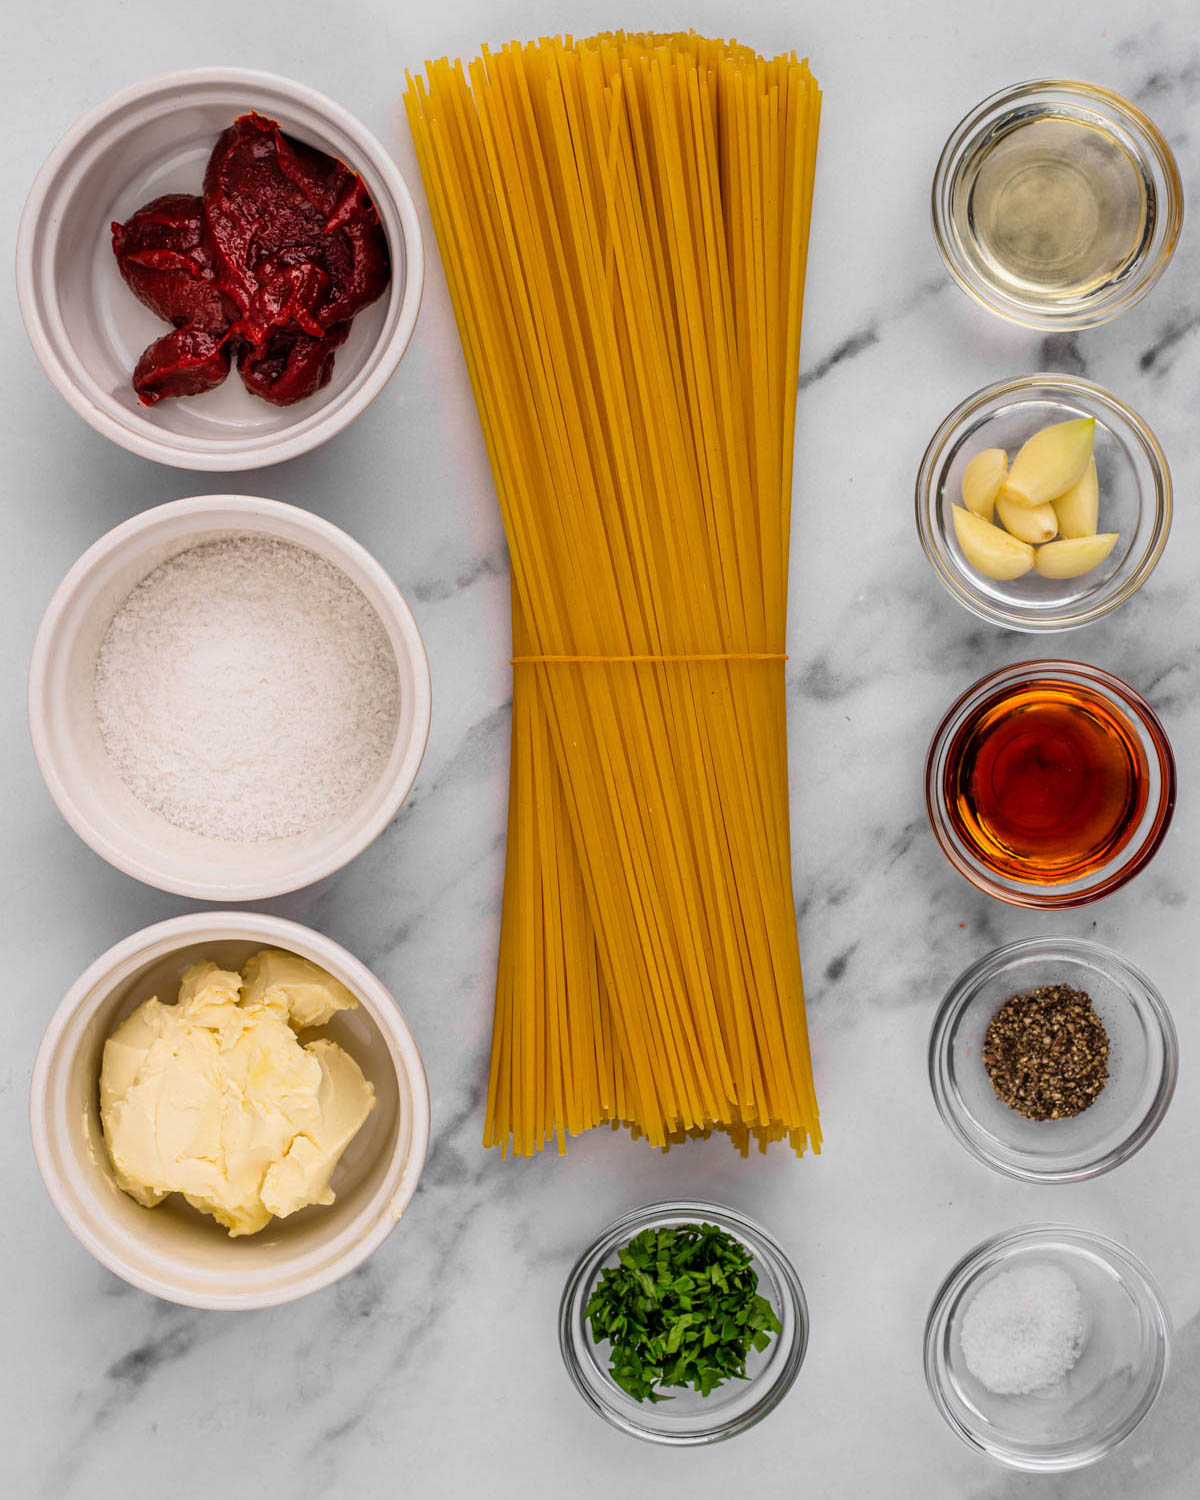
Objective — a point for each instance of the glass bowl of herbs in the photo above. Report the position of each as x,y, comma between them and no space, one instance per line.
1053,1059
683,1323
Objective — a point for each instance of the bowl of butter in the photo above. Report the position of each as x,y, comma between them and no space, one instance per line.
229,1110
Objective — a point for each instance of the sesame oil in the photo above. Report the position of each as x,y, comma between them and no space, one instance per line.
1046,781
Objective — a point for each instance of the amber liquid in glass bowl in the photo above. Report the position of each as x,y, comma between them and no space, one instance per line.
1046,781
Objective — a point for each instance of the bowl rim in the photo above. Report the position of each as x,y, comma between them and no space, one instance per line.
963,991
755,1238
1170,212
182,931
928,500
998,1247
340,548
273,448
1048,898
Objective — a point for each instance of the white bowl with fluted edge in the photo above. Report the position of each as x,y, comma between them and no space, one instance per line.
174,1251
87,328
84,780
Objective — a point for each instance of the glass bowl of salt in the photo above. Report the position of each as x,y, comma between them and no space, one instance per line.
1046,1346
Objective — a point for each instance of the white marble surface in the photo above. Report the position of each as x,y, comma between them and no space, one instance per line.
434,1371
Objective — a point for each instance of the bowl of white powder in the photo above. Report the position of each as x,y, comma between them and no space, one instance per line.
228,698
1046,1347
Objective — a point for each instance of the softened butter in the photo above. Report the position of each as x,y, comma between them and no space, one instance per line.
217,1098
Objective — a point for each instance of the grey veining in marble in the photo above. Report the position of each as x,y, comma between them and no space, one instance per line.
433,1371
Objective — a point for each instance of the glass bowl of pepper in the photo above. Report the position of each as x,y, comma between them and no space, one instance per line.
1053,1059
683,1323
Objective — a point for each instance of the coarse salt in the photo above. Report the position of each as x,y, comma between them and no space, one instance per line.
247,690
1023,1331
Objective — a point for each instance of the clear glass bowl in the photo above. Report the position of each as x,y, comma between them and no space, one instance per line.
1117,1379
1133,855
1135,500
687,1419
992,121
1143,1062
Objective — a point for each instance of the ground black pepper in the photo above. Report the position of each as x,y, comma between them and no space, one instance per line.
1046,1052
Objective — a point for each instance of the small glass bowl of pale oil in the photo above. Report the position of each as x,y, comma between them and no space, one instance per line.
1057,204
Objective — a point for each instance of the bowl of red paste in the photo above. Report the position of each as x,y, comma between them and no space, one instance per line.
219,268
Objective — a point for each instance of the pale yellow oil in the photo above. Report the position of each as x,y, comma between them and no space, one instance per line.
1055,208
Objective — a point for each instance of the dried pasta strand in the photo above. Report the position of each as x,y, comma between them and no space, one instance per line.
624,225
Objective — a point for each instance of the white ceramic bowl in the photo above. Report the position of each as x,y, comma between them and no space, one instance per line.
172,1250
88,329
83,779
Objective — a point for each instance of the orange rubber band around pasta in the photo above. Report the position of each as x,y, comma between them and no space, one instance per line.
682,656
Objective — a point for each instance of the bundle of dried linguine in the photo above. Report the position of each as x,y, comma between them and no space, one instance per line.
624,225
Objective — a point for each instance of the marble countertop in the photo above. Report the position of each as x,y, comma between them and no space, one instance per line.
434,1369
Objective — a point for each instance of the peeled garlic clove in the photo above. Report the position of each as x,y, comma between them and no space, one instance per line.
1030,523
989,550
1078,511
1051,461
982,479
1074,556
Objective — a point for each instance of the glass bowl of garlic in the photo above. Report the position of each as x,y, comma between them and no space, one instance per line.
1043,502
